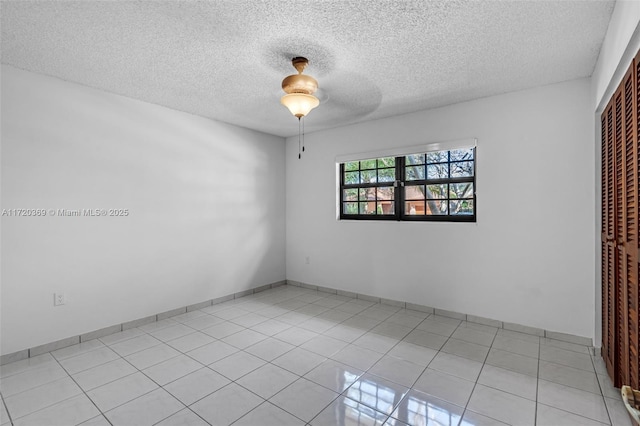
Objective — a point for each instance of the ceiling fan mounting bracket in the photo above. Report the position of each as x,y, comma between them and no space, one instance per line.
300,63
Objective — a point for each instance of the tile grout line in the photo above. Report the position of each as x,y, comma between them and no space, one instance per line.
429,315
187,407
83,392
47,383
329,358
137,369
146,393
249,372
438,352
158,384
478,378
299,376
554,380
178,378
6,409
348,343
606,407
575,414
388,416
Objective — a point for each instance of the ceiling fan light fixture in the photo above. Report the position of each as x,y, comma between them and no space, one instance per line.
299,90
299,104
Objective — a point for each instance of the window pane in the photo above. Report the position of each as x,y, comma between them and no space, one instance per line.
367,194
368,164
353,165
461,207
437,207
414,173
350,195
437,157
461,169
350,208
386,207
414,192
414,207
385,193
461,190
427,185
414,159
436,191
368,208
437,171
387,162
351,177
462,154
386,175
368,176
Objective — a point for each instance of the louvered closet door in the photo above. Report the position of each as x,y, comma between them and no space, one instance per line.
609,296
621,282
626,134
620,122
630,241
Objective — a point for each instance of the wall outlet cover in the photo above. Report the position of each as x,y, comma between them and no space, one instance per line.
59,299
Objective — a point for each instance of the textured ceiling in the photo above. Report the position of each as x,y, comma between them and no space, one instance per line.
372,59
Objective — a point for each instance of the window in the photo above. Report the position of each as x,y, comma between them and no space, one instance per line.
430,186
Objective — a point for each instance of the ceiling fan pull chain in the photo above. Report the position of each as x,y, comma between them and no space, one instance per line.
302,134
299,133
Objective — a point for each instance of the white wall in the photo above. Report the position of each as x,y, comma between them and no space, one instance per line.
619,47
528,259
206,203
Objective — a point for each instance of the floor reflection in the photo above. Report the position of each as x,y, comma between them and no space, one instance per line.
350,413
419,409
374,393
378,398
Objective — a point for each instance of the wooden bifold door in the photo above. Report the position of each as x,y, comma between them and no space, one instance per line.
620,219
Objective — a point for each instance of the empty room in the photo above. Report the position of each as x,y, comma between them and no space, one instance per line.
321,212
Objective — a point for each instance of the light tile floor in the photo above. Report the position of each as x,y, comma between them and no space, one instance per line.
292,356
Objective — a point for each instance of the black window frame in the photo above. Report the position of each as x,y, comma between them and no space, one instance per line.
399,193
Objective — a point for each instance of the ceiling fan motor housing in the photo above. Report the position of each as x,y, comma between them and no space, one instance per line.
299,83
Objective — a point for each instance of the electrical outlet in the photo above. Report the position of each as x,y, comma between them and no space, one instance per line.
59,299
307,260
